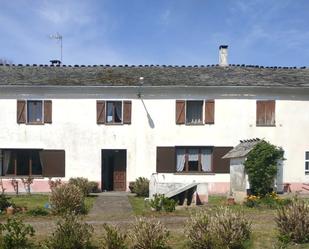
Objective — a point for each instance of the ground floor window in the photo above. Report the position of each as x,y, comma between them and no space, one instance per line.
193,159
32,162
21,162
307,162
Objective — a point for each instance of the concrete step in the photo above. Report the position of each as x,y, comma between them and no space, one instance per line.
180,190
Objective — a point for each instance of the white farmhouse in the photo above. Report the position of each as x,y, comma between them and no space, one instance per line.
108,124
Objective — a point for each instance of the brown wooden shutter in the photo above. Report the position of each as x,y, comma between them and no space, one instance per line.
270,107
166,160
53,163
180,111
220,165
48,111
265,112
209,111
127,109
100,112
21,111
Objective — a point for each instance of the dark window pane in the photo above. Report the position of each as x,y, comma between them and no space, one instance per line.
194,112
34,111
193,165
118,112
307,166
307,155
36,163
23,162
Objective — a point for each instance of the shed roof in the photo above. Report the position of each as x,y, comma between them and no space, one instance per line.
106,75
243,148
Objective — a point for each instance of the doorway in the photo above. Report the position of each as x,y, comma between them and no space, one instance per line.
114,164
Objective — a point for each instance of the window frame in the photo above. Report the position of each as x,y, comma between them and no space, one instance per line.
15,161
114,108
265,124
42,110
307,162
186,167
202,112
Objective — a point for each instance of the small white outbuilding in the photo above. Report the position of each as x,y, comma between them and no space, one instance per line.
239,184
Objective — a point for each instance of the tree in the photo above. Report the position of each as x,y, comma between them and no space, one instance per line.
261,167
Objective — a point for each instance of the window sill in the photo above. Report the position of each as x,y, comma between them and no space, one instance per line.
194,124
36,123
260,125
113,123
21,176
194,173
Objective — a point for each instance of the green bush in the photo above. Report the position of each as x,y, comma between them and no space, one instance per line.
70,233
219,229
293,222
38,211
148,234
160,202
113,239
4,202
270,200
67,198
82,183
15,235
261,167
141,187
93,187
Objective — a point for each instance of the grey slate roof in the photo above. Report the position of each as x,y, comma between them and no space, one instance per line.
233,75
242,149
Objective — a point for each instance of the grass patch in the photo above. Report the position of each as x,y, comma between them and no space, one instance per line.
30,201
139,205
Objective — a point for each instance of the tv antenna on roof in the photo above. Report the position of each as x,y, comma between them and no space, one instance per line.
58,38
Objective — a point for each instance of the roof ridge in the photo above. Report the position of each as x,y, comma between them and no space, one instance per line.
155,66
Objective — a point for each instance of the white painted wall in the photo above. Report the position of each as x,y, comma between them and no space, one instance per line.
74,129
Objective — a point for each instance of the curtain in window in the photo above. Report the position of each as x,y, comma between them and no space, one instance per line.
180,159
109,115
193,155
206,160
194,112
6,161
118,113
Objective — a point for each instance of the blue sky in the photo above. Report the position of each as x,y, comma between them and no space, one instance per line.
170,32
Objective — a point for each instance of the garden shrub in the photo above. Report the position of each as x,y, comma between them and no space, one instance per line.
261,167
219,229
230,228
82,183
67,198
4,202
113,239
70,233
93,187
15,235
160,202
38,211
293,222
141,187
149,234
199,232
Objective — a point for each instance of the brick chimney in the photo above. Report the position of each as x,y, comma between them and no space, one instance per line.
223,56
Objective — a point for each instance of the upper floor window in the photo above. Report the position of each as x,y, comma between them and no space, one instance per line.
191,112
265,113
34,111
307,162
114,112
194,112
